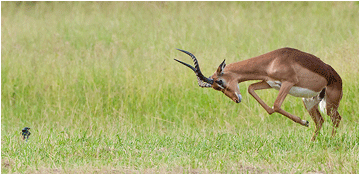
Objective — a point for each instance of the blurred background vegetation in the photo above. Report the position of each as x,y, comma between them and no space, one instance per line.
97,84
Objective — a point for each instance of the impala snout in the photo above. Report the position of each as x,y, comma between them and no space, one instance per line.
239,98
233,95
236,98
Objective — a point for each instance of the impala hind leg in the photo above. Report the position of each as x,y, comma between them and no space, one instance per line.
333,97
311,105
335,118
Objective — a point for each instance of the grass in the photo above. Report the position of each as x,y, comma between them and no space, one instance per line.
97,84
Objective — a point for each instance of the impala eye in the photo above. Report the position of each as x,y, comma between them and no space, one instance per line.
221,84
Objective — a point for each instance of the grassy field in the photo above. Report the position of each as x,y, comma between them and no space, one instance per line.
97,84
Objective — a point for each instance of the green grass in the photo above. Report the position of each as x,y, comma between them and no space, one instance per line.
97,84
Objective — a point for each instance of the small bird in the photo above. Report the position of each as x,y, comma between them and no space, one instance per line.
26,133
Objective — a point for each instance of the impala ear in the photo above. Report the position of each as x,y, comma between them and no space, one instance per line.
221,67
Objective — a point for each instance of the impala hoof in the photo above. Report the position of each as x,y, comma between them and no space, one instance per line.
306,123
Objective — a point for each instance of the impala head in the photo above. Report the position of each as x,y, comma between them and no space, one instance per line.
221,80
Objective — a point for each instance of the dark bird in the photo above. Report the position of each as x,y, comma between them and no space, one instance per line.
26,133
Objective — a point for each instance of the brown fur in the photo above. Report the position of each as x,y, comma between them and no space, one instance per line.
288,68
293,68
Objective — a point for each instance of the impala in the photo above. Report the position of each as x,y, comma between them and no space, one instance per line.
288,70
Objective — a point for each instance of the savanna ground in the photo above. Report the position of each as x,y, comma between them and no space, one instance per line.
97,84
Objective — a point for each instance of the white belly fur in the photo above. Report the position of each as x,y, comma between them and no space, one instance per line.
294,91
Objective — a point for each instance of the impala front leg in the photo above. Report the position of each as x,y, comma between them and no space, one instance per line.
259,86
284,90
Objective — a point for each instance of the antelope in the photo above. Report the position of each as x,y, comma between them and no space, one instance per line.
288,70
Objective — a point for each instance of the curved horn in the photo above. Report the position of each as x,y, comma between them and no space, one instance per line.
197,71
200,82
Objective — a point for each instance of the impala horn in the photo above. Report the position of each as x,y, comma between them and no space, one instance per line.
202,80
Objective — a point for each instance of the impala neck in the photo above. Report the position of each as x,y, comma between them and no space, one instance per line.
250,69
